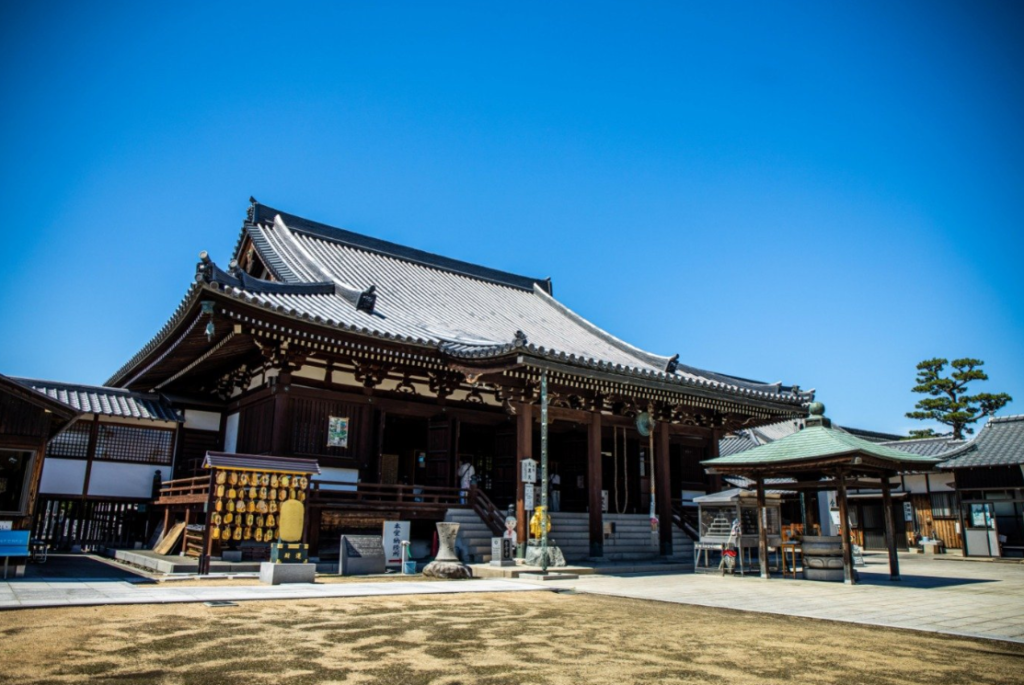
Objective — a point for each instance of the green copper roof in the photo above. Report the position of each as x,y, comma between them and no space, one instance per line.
817,442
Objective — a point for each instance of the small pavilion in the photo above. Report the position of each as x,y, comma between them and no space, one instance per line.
822,458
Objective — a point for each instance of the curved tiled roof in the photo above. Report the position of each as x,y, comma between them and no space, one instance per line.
815,442
95,399
999,443
928,447
464,310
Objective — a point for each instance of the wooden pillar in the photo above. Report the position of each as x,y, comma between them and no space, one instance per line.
762,529
890,530
849,575
663,485
595,480
279,435
524,450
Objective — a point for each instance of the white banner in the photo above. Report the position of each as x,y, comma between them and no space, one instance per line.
394,533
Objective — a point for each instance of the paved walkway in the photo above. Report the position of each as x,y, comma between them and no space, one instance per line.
87,593
977,599
85,581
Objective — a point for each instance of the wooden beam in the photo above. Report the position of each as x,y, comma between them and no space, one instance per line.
762,529
890,530
595,481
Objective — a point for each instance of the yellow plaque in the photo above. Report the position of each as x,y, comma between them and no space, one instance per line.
290,521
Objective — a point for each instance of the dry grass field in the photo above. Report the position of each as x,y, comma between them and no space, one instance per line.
535,637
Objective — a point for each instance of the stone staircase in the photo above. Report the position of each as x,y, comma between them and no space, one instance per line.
631,541
570,531
473,544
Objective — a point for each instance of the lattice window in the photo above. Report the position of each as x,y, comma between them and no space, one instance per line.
132,444
943,505
72,443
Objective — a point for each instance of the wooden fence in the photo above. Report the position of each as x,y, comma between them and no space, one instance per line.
62,522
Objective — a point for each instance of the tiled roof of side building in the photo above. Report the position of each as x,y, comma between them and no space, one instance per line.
465,310
734,444
999,443
928,447
94,399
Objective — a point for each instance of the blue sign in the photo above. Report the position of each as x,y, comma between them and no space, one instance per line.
14,543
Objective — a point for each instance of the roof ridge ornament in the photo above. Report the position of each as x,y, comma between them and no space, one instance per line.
519,340
817,416
367,300
673,364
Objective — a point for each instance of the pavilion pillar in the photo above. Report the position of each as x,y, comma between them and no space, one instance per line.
890,529
849,577
524,450
595,480
762,529
663,484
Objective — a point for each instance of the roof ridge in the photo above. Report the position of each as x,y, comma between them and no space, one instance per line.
1005,419
394,250
82,386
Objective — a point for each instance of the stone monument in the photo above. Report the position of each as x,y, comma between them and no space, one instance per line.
447,564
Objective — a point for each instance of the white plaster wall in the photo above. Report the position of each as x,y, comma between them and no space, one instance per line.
312,372
335,474
62,476
114,479
202,420
938,482
231,433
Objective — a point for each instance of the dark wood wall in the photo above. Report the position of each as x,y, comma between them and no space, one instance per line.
24,426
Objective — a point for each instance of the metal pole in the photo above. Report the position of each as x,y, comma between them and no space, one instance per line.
544,470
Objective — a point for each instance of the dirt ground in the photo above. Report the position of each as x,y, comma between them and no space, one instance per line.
534,637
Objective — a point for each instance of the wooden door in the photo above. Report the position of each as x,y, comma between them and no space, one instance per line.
439,470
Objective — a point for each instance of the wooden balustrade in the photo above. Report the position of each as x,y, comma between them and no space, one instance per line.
383,497
184,491
485,509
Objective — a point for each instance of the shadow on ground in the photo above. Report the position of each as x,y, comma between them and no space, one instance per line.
77,568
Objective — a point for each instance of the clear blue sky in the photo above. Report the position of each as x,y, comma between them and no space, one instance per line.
815,194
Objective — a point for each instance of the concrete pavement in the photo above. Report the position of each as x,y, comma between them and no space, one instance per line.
957,597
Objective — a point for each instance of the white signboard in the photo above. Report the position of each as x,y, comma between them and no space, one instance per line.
528,497
529,472
604,501
6,525
908,512
394,533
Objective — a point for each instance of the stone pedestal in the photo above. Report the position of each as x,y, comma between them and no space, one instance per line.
276,574
447,564
534,556
501,552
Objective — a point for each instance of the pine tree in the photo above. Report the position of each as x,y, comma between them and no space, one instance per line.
948,401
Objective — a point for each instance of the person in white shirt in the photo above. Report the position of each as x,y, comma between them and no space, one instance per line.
466,474
555,492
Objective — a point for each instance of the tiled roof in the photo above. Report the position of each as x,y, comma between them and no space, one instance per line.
103,400
464,310
1000,443
815,442
260,462
734,444
928,447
